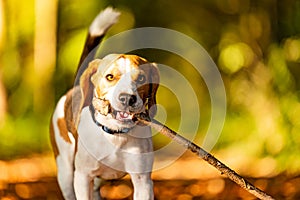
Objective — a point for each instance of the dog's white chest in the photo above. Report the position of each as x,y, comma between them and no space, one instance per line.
93,139
123,152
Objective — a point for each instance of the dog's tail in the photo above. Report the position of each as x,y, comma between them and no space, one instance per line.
97,31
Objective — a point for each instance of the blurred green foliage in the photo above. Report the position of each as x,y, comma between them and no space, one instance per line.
256,45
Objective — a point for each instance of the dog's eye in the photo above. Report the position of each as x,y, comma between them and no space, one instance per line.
141,79
109,77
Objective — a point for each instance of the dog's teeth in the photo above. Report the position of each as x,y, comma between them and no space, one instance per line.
125,115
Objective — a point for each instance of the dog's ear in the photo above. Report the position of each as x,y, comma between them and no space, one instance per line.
86,85
153,86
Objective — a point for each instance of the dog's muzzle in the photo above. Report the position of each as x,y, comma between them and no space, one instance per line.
103,107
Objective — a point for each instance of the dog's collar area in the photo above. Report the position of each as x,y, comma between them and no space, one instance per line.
104,128
110,131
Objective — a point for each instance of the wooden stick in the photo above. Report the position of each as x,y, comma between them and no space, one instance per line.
144,119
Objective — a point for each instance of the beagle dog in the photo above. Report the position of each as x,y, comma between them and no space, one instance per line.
93,130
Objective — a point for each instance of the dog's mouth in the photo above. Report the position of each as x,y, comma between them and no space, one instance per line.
104,107
123,116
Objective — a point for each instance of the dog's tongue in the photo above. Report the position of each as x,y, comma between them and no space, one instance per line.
124,115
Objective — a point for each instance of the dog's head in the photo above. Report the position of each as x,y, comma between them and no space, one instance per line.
118,87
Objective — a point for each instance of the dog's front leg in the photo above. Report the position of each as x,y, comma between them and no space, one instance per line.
96,188
83,186
83,179
143,186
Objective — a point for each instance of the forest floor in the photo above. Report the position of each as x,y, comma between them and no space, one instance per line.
34,179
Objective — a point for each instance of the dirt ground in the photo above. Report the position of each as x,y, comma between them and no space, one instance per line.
279,187
221,188
186,179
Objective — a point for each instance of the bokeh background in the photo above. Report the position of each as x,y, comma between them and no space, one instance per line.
255,44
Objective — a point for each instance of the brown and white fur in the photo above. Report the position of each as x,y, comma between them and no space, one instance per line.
93,131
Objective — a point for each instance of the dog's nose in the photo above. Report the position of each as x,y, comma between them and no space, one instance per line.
127,99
